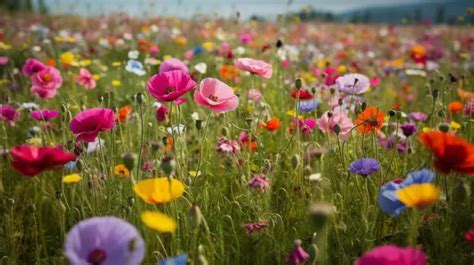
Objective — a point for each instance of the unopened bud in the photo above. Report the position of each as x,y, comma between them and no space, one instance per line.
195,215
130,160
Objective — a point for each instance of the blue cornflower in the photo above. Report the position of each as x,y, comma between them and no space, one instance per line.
178,260
136,67
388,199
364,166
198,50
308,105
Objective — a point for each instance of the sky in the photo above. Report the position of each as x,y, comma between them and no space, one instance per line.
223,8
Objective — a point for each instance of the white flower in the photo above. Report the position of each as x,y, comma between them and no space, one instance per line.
195,116
95,146
133,54
315,177
178,129
29,106
201,67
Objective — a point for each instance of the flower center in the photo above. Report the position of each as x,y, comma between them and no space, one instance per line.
97,256
372,122
170,89
47,77
213,98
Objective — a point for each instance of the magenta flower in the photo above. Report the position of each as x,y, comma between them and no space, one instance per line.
162,113
255,227
417,116
298,255
9,114
393,255
216,95
32,66
259,182
306,126
255,67
86,79
105,240
4,60
46,82
173,64
469,108
170,86
87,124
328,121
44,115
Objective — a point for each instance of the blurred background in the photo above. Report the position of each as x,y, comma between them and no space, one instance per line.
362,11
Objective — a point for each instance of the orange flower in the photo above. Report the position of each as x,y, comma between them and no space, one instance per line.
169,143
51,62
456,107
123,113
272,124
452,153
465,95
228,72
370,120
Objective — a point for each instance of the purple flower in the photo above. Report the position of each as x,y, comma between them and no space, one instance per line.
44,115
408,129
469,108
104,240
308,105
393,255
259,182
255,227
9,114
353,84
173,64
298,255
364,166
417,116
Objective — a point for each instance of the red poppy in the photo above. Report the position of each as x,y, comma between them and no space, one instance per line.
32,160
370,120
451,153
456,107
301,94
469,236
272,124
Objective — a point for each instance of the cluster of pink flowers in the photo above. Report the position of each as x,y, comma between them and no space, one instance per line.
45,80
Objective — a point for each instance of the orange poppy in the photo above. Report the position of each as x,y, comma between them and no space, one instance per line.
51,62
456,107
123,113
169,143
228,72
452,153
370,120
465,95
272,124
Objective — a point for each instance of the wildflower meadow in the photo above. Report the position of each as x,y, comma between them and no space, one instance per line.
164,140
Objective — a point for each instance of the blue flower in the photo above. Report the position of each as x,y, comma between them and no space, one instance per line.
364,166
387,198
136,67
71,165
308,105
197,50
178,260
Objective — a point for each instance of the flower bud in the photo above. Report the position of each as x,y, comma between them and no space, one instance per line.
444,127
130,160
198,124
460,191
298,83
435,93
168,165
195,215
295,161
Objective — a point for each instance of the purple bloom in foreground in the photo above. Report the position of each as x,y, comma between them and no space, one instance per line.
298,255
104,240
364,166
408,129
9,114
417,116
393,255
44,114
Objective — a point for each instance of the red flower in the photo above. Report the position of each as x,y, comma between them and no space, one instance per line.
370,120
301,94
452,153
469,236
32,160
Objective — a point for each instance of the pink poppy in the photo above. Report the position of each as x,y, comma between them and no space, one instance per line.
87,124
162,113
170,86
328,121
4,60
46,82
216,95
246,37
375,81
255,67
86,79
298,255
173,64
393,255
254,95
32,66
259,182
44,114
9,114
306,125
32,160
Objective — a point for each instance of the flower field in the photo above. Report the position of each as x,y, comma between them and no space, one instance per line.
225,141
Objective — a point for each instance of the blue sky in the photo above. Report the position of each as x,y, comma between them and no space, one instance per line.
186,8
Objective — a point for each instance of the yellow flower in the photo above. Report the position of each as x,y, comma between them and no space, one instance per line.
121,170
166,57
194,173
86,62
159,190
72,178
158,221
181,40
67,58
455,125
96,77
116,83
419,195
116,64
426,129
4,46
341,69
208,45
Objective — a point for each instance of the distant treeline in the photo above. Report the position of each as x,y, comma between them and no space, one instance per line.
24,5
